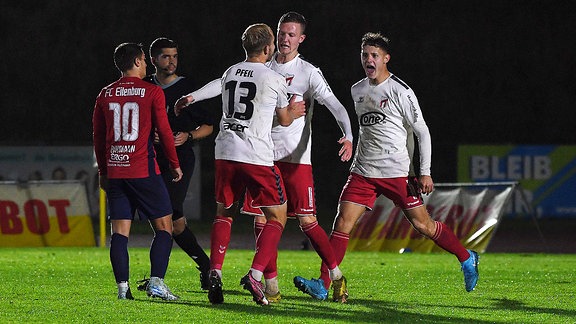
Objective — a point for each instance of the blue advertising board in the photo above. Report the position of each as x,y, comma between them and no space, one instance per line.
546,174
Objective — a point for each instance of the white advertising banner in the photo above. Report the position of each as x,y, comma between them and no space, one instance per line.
471,210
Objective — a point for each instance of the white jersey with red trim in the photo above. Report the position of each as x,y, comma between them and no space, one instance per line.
292,144
384,111
250,94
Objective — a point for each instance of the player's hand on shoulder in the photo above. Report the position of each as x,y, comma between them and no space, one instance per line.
345,152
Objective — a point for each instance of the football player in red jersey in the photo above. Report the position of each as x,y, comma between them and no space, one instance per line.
126,115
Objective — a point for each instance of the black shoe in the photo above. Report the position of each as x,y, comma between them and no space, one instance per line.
204,279
215,295
143,284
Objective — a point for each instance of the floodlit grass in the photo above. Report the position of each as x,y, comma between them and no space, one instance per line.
77,285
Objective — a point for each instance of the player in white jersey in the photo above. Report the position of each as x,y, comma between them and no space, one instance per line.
385,105
292,148
251,95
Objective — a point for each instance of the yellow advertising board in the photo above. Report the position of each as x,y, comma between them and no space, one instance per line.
45,213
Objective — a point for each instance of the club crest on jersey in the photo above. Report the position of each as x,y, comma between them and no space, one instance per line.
289,78
383,103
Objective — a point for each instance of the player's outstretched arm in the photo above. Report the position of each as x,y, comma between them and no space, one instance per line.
343,120
209,90
182,103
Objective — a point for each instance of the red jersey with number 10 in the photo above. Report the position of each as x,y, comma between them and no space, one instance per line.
126,114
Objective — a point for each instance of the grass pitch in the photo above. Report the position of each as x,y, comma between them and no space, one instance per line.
70,285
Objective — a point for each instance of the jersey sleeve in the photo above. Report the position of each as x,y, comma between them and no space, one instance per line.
324,95
416,121
99,137
319,86
282,89
209,90
160,120
341,115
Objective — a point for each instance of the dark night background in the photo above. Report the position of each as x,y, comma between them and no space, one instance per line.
485,72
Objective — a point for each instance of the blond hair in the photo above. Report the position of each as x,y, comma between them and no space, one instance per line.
255,38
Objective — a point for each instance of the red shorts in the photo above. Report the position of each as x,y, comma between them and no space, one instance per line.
233,179
299,184
364,191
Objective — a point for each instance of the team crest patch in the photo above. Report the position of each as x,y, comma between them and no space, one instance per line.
289,78
383,103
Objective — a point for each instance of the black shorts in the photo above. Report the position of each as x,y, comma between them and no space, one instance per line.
178,190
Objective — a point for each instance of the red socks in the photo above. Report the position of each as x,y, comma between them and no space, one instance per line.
267,245
339,242
219,240
445,238
321,243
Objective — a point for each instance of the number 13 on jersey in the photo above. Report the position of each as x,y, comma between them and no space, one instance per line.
248,89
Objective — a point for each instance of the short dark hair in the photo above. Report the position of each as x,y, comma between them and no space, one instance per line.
256,37
159,43
293,17
376,40
126,54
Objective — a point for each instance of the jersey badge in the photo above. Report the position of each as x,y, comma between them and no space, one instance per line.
383,103
289,78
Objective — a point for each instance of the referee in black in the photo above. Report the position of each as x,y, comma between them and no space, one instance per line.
190,125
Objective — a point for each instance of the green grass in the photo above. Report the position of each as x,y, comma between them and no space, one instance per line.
77,285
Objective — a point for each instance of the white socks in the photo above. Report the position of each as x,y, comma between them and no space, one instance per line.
335,274
272,285
257,275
